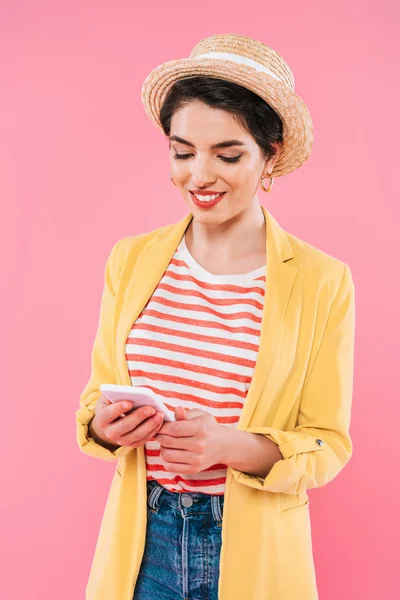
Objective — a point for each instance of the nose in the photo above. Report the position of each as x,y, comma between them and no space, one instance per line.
202,176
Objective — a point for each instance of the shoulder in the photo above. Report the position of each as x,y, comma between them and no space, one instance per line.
134,244
127,249
318,268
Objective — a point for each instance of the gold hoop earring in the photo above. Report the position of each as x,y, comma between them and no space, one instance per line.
172,179
271,182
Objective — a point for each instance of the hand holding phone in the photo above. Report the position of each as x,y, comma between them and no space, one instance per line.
138,395
134,430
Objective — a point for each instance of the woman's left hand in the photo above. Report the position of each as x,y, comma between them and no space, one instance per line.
193,442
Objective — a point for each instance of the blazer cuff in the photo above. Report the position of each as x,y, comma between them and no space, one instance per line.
283,477
87,444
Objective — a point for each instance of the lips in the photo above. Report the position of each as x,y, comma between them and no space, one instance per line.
203,193
207,204
220,194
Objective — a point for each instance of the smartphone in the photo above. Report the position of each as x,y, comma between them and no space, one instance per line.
139,396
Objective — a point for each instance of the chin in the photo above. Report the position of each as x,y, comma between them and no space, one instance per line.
210,218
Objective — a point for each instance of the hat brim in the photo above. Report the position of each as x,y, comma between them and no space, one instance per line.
298,133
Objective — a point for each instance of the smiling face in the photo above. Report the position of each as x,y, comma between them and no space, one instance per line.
234,169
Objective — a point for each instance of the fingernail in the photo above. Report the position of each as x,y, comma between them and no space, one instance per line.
127,405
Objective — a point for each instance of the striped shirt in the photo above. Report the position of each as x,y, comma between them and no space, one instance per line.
195,345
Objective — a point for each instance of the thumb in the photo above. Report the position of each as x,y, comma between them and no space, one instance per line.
180,413
193,413
101,403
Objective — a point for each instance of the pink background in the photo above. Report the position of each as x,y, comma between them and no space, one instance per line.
82,166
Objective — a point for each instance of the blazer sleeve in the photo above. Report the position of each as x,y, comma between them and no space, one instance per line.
320,445
102,369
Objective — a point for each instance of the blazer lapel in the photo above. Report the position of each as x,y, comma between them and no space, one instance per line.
280,278
150,267
147,272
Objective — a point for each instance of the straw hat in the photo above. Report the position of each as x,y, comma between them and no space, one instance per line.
253,65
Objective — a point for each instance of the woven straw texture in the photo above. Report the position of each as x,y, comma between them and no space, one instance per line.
298,133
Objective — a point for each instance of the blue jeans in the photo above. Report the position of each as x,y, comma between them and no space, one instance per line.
183,545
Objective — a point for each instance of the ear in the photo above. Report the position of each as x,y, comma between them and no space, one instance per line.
270,162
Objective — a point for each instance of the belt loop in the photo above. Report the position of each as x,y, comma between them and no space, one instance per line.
154,495
216,507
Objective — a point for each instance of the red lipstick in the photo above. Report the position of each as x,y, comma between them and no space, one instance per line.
205,204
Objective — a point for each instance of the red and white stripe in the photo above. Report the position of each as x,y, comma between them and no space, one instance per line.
195,344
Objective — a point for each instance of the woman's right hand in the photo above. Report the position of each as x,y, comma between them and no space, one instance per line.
135,429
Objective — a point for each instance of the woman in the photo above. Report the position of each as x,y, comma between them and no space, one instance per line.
244,330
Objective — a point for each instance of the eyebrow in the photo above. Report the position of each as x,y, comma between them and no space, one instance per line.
226,144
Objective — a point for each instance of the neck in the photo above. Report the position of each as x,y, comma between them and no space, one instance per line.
244,234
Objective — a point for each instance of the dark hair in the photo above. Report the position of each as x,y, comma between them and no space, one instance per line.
250,110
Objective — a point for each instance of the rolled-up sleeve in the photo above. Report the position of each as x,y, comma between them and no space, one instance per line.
320,445
102,369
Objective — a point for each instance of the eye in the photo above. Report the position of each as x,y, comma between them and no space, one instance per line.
233,159
182,156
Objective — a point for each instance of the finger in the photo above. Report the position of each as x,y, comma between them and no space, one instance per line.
168,441
178,456
147,430
194,413
179,468
101,403
126,440
130,422
143,431
185,428
113,411
154,433
180,413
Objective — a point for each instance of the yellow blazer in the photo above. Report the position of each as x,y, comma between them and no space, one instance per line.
300,397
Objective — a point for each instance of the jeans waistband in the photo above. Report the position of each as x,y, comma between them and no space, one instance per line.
178,500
